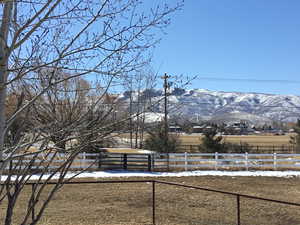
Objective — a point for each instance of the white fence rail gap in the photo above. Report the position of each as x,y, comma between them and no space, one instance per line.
175,161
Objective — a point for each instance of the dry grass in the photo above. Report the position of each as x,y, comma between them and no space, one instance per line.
255,140
131,203
250,139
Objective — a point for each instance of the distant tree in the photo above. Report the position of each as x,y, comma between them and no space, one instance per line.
150,93
156,140
295,140
211,142
14,102
236,148
127,94
178,91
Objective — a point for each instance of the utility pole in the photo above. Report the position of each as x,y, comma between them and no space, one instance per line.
166,86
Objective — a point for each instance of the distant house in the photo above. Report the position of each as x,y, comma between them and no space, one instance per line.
202,128
197,129
175,129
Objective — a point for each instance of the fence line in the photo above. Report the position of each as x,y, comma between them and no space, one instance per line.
216,161
174,161
154,201
243,147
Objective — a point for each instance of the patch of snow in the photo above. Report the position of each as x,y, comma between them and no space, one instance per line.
112,174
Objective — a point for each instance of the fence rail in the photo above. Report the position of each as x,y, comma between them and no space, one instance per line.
173,161
244,161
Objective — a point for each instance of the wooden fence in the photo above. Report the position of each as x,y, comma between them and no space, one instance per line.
173,161
90,161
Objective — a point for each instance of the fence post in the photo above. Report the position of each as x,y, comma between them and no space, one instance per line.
274,160
149,163
246,158
32,202
153,202
216,159
185,161
238,207
125,161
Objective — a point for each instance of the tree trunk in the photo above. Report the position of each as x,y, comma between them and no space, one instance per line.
7,11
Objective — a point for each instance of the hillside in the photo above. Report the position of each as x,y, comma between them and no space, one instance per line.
201,104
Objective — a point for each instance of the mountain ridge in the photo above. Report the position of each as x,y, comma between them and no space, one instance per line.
221,105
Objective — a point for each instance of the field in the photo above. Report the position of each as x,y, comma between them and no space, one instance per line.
92,204
260,140
255,140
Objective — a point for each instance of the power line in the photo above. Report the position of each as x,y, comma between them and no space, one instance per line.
247,80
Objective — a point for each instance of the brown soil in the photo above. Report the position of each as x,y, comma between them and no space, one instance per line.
131,203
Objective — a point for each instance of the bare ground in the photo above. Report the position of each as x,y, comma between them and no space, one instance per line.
92,204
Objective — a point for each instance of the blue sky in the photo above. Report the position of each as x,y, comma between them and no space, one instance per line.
251,40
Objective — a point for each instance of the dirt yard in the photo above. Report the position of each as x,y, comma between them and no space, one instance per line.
92,204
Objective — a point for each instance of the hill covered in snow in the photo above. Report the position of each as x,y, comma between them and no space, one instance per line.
201,104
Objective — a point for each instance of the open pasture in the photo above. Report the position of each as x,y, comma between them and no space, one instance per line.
130,203
261,143
255,140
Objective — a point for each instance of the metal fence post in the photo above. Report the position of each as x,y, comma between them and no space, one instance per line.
238,210
153,202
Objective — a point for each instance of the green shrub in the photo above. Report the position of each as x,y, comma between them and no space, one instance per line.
212,143
156,140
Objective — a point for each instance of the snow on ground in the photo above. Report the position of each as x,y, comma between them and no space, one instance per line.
115,174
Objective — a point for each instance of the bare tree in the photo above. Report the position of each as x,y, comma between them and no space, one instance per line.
82,38
140,87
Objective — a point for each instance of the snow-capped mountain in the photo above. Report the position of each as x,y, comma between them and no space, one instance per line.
202,104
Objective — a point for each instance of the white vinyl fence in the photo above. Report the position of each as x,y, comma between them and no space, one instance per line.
232,161
172,161
82,161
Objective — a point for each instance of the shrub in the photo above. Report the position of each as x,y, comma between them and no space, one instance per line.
295,140
156,140
212,143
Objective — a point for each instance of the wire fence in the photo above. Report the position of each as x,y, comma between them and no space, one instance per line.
155,200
